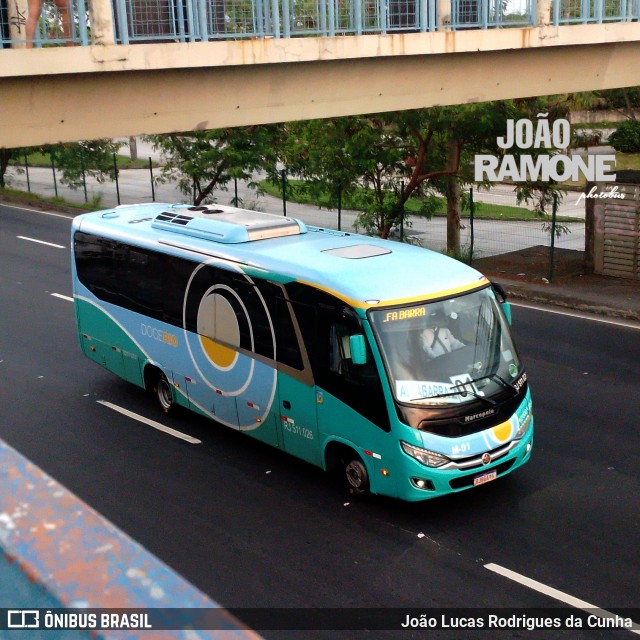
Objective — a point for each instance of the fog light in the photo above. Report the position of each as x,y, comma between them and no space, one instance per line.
528,447
421,483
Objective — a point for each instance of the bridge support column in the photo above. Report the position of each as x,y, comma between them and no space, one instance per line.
102,24
18,11
543,17
444,14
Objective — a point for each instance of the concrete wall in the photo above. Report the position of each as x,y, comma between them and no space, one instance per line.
596,117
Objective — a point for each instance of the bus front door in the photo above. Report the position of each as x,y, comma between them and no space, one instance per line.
298,418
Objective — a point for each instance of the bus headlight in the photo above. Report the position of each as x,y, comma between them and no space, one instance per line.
426,457
523,428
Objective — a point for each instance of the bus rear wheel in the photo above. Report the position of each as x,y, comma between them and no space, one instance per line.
357,477
164,393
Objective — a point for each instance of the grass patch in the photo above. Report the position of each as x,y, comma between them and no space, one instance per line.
32,199
623,161
44,160
483,210
628,161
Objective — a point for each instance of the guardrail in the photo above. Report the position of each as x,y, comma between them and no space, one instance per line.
142,21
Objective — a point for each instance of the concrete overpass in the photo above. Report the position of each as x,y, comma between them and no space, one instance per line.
118,82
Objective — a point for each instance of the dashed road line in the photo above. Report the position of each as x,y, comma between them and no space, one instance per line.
49,244
44,213
619,322
556,594
62,297
151,423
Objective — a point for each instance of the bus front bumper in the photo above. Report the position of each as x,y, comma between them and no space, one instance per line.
423,483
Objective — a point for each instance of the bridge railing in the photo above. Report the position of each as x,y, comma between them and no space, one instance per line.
142,21
594,12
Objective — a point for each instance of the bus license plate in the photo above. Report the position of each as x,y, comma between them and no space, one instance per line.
487,477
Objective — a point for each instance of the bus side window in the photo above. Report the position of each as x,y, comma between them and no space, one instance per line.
356,384
340,360
326,324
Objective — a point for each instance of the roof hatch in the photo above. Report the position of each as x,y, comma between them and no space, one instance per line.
226,224
358,251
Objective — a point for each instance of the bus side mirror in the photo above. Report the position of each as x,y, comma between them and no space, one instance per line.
506,307
501,294
358,349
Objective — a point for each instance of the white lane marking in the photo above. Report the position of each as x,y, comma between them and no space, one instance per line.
44,213
628,324
59,295
556,594
151,423
49,244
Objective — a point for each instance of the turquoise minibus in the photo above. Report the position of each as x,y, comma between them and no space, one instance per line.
390,364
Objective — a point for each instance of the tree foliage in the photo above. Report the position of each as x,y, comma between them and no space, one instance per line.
420,153
537,193
395,156
626,138
94,157
203,161
625,100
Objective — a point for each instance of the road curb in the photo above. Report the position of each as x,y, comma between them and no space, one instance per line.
556,298
36,203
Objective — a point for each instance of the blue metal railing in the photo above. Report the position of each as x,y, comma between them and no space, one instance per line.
235,19
594,12
139,21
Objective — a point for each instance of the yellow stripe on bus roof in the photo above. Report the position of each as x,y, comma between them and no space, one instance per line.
424,297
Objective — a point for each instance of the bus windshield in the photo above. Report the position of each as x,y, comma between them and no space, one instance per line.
447,352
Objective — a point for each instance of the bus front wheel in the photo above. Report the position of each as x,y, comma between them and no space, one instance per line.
164,393
357,477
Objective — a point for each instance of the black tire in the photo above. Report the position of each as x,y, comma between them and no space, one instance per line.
164,393
357,477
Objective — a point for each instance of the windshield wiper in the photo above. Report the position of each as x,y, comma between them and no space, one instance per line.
462,392
500,379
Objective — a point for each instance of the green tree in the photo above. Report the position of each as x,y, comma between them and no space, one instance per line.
423,153
625,100
322,153
6,155
94,157
536,193
444,141
202,161
396,156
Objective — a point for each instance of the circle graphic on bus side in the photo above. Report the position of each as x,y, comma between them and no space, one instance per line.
217,318
225,315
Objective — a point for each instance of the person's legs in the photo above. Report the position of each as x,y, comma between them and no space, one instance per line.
35,7
65,16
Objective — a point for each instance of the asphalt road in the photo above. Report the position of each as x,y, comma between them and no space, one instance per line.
253,527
